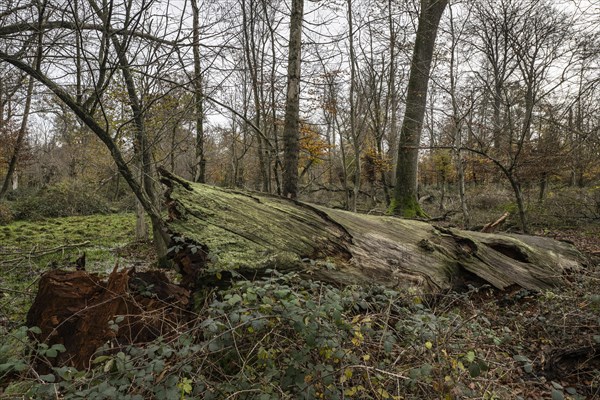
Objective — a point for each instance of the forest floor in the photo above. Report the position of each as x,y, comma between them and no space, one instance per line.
282,337
30,248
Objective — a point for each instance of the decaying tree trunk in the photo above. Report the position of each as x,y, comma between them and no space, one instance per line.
75,309
217,232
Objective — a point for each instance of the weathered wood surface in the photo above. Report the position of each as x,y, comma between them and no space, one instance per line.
219,230
73,308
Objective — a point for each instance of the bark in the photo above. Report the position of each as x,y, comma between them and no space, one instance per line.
291,134
200,167
353,131
405,193
74,308
248,234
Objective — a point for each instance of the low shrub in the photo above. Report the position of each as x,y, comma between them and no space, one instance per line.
66,198
280,338
6,213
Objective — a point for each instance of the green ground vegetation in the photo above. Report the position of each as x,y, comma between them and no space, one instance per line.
29,248
287,338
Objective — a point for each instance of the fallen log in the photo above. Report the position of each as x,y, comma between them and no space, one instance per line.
218,233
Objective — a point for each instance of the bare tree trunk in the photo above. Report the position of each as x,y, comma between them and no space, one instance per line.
520,203
142,147
277,163
200,167
460,171
291,134
353,132
12,163
393,93
405,194
457,125
141,228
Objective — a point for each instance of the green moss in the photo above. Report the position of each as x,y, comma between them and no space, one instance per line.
242,231
407,208
103,232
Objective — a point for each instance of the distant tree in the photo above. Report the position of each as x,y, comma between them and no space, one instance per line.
20,139
521,44
200,162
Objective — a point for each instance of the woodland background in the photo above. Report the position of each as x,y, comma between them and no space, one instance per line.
97,95
511,102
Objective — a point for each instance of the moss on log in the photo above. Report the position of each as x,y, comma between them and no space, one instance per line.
218,233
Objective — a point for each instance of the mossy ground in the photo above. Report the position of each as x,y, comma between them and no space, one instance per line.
107,239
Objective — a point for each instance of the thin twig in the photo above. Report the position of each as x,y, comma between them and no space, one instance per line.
41,253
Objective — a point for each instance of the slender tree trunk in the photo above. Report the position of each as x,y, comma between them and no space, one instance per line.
460,172
2,102
344,165
520,203
383,174
497,122
272,152
457,126
353,132
405,193
141,228
393,93
148,195
200,167
12,163
543,187
277,163
291,134
250,50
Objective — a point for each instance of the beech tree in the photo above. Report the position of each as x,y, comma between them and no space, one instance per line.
405,192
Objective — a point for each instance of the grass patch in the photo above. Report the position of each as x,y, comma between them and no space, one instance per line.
24,244
102,230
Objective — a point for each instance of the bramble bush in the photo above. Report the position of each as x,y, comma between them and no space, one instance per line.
281,338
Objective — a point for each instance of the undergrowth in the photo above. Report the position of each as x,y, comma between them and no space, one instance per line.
287,338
